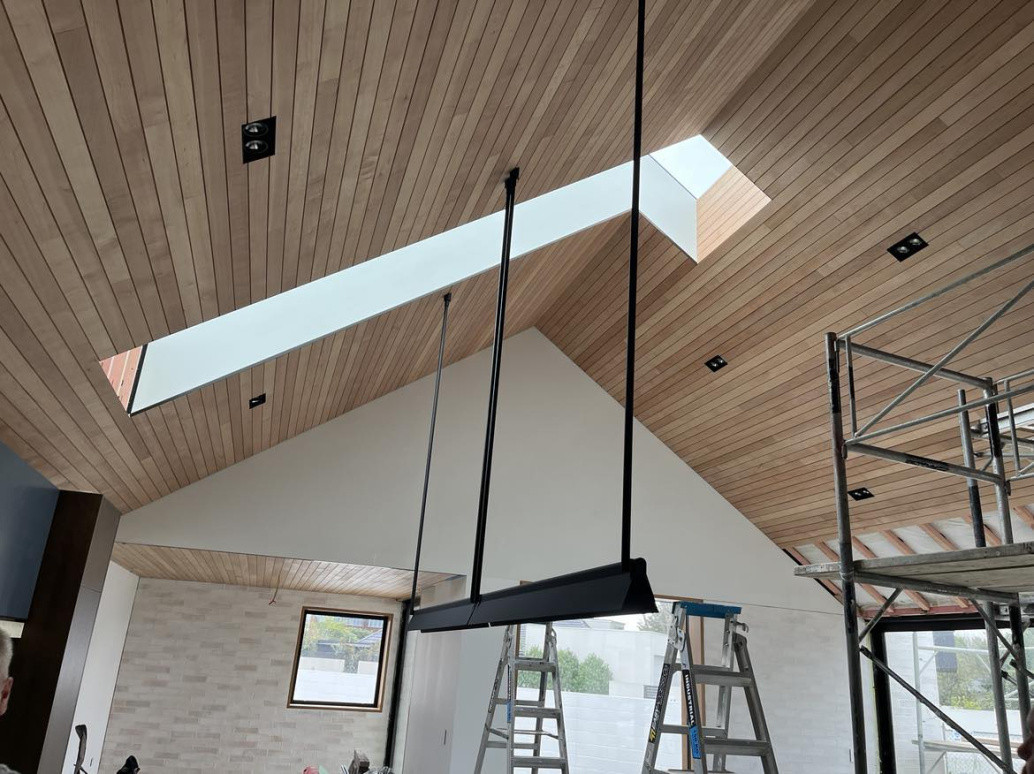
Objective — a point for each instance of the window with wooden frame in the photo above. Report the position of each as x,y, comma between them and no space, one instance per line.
340,660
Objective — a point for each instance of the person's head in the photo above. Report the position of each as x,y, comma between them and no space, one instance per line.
6,681
130,766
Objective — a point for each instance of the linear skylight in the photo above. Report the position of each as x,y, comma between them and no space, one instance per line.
695,163
186,360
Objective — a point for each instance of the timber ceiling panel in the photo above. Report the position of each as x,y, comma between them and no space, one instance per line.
272,572
126,213
867,121
724,208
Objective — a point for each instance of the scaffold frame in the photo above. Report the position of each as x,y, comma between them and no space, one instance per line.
999,428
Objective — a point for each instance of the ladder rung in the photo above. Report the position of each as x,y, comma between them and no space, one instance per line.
534,665
753,747
525,711
516,745
709,733
714,675
538,762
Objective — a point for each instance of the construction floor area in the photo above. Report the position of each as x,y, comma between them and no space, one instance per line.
483,387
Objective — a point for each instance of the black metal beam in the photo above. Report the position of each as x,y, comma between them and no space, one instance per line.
884,708
396,685
609,590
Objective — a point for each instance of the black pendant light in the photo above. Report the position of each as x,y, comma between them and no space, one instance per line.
621,588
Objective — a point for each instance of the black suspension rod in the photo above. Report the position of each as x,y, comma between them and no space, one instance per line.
446,300
633,287
493,390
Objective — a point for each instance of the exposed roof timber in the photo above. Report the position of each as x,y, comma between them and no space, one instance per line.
915,596
906,550
939,537
867,587
212,350
802,560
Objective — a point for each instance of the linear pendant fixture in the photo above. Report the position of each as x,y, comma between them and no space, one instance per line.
622,588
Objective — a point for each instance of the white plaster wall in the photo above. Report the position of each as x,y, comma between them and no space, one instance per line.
349,490
429,715
801,666
102,664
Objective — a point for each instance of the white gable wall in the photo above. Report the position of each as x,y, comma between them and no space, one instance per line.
349,490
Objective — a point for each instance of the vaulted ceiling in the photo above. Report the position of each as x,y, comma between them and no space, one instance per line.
126,213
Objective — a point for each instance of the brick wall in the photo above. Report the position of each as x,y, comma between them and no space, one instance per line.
204,681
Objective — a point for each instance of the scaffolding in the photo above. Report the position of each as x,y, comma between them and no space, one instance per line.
994,578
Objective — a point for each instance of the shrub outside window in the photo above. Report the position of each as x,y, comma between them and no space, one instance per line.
340,660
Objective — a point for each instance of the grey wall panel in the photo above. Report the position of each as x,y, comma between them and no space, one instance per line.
27,503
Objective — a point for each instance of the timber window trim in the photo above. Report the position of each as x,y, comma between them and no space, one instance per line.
377,704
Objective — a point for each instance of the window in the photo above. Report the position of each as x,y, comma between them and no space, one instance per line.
340,660
609,668
946,658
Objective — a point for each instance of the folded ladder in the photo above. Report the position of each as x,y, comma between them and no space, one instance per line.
524,745
734,672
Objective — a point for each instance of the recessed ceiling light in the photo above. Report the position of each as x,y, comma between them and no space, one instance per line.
716,363
258,139
257,401
860,494
911,244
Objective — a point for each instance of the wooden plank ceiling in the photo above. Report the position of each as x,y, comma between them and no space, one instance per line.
867,121
273,572
125,212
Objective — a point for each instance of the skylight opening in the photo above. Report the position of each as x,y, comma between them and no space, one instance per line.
673,179
695,163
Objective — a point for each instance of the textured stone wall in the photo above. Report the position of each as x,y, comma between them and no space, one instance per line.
204,681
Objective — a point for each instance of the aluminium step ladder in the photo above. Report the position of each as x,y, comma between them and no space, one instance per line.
734,672
524,745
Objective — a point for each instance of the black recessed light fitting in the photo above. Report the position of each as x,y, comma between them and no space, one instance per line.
716,363
258,139
907,247
257,401
860,494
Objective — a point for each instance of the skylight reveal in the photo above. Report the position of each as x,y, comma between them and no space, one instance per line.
672,181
